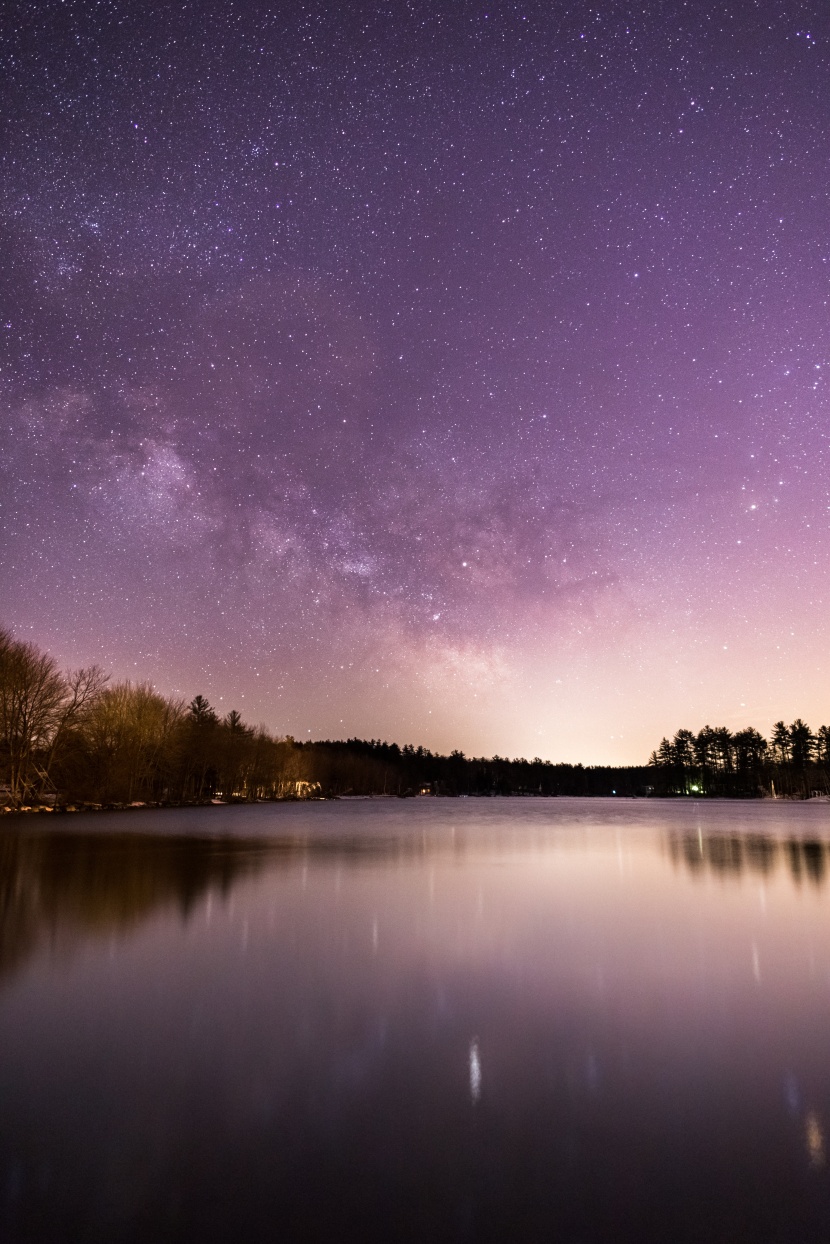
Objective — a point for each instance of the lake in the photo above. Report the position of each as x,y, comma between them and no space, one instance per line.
417,1020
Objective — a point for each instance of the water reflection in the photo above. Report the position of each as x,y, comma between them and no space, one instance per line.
733,855
475,1072
814,1135
67,886
63,887
439,1022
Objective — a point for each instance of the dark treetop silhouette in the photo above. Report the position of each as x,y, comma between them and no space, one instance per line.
70,739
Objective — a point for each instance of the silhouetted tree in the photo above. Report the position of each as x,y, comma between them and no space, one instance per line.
823,745
722,747
683,748
704,747
802,744
38,707
749,747
780,742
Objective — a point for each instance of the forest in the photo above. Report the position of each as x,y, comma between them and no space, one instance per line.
78,740
794,762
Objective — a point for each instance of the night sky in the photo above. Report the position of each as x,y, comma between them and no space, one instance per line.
447,373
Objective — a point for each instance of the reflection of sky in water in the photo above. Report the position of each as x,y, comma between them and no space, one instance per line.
302,1013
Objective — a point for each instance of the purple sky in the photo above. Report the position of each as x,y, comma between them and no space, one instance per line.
448,373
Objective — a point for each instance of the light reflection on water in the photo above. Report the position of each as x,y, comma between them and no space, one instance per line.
419,1020
475,1072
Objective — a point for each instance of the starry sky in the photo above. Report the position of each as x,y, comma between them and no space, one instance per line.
453,373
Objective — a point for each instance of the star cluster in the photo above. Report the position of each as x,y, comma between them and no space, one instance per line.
454,373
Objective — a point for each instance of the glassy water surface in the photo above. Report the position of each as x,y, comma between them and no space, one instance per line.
421,1020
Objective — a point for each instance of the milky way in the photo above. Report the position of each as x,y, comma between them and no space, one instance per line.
453,373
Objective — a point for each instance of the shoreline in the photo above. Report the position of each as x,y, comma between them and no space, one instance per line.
144,806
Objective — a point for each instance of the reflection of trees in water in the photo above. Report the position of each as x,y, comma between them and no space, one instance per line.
808,859
735,854
64,886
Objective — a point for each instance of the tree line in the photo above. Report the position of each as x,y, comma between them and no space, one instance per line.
794,762
78,739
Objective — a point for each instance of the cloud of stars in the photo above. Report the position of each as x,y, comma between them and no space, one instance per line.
453,373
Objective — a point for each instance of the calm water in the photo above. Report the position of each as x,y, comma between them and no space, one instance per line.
421,1020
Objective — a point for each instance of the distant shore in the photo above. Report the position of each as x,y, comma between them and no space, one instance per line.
59,811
